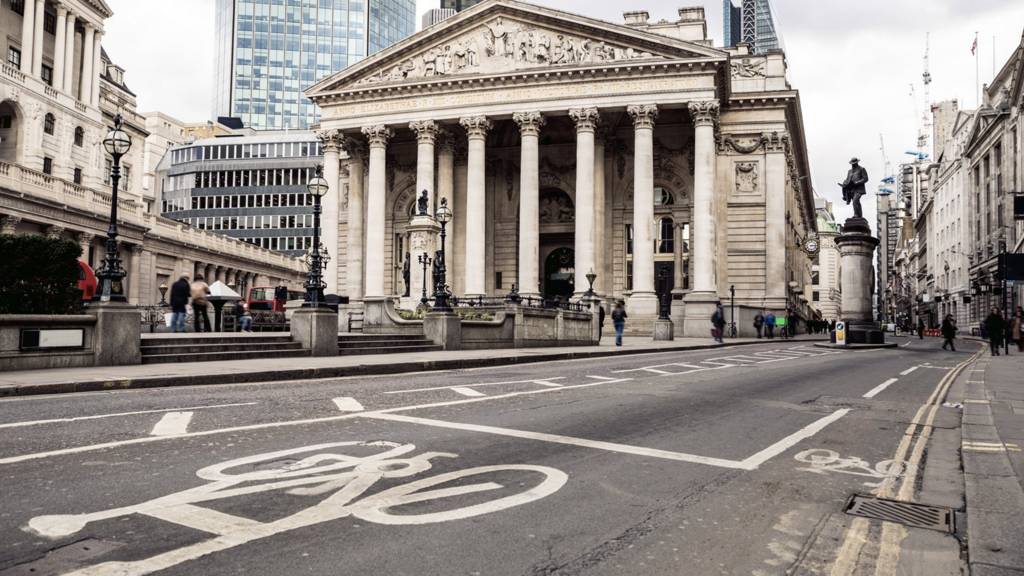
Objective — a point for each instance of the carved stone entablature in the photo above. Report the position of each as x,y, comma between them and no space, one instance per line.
378,135
426,130
730,144
773,142
643,115
747,178
476,126
704,112
747,68
529,123
586,119
504,45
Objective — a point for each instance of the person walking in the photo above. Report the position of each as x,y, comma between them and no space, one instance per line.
920,328
718,323
994,327
600,321
1017,328
179,300
758,324
791,324
199,290
769,326
948,332
619,321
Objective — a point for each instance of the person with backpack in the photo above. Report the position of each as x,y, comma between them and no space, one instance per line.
619,321
718,323
758,324
769,326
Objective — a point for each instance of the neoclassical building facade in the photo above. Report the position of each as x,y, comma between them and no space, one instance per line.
566,145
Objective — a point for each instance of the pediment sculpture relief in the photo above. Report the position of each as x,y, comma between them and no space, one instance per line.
748,68
556,207
504,45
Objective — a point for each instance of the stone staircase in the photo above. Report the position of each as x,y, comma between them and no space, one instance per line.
353,344
222,347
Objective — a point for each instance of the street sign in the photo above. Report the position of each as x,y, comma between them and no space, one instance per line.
841,333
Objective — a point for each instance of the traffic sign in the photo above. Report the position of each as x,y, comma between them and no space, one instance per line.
841,333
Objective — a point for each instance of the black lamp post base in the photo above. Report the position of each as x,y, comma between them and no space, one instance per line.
110,290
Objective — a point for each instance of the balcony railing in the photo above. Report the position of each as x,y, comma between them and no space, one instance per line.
13,73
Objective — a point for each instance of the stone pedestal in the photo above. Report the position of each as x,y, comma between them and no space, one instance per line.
664,330
118,337
697,317
317,330
856,250
443,328
423,238
350,317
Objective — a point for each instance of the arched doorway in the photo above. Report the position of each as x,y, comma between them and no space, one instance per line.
9,126
559,273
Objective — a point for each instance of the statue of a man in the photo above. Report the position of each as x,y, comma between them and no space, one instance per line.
406,274
422,203
853,186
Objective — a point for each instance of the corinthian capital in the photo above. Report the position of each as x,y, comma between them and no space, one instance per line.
426,130
704,112
378,135
586,119
529,123
354,147
643,115
330,140
476,126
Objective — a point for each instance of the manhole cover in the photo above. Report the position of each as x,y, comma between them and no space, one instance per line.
909,513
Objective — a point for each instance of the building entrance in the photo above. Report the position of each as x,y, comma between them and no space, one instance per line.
559,273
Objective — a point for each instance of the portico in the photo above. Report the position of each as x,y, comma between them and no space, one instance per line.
565,145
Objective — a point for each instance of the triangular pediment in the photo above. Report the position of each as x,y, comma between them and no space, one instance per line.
499,37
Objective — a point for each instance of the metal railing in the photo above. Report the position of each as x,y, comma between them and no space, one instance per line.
534,302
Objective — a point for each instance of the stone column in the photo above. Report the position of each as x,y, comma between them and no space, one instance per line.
643,303
586,120
85,241
28,28
69,54
37,36
54,232
446,190
476,205
60,37
426,135
602,285
458,224
375,209
9,224
85,81
135,275
97,69
530,124
775,222
329,222
700,302
354,263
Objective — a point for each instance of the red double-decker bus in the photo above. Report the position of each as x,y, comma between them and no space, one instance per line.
271,298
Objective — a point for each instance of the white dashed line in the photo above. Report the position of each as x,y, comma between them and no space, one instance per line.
172,424
878,389
909,370
466,391
347,404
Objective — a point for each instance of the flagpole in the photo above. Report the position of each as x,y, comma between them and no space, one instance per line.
977,75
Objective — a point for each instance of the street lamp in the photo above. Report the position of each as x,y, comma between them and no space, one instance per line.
441,304
111,275
163,295
424,260
317,188
590,276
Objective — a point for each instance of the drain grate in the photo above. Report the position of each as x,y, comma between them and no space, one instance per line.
912,514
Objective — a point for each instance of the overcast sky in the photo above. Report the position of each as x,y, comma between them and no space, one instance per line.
853,62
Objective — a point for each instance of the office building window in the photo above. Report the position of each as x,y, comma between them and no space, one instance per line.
48,123
50,22
18,6
14,56
47,165
78,176
47,73
79,136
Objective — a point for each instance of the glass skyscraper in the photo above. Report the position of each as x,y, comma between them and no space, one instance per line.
751,22
268,51
458,5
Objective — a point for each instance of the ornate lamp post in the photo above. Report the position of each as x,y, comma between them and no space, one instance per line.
315,285
163,295
111,275
441,304
590,280
424,260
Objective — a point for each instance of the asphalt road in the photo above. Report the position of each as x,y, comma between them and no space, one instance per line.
730,461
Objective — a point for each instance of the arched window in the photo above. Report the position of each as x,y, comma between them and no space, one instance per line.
666,238
663,197
48,123
79,135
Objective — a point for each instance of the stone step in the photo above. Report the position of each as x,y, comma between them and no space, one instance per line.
226,339
345,344
219,356
389,350
209,348
378,337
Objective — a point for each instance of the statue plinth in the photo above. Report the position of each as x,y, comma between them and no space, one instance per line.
423,237
857,249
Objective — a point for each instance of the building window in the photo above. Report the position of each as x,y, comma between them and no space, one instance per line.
126,177
48,123
78,176
666,244
14,56
108,166
79,136
816,296
50,22
5,122
629,238
47,73
47,165
663,197
18,6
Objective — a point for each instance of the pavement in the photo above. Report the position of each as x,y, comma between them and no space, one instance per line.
736,460
993,463
28,382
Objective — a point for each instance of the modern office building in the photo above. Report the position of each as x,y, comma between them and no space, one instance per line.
268,51
435,15
252,188
752,22
458,5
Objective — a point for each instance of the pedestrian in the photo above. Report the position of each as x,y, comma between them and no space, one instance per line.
199,290
920,328
994,327
619,321
242,317
792,324
600,321
1017,328
948,332
758,324
769,325
179,300
780,324
718,323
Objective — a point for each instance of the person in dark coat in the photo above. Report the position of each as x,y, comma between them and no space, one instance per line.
920,328
619,321
758,323
718,323
180,292
600,321
994,327
948,332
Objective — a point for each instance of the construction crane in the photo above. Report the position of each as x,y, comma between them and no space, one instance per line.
888,177
926,78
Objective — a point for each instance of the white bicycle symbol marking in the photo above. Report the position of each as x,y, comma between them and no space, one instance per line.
341,477
823,461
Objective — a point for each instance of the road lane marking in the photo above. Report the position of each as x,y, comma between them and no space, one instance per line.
559,439
878,389
972,401
793,439
548,384
477,385
348,404
116,414
971,446
594,377
909,370
466,391
172,424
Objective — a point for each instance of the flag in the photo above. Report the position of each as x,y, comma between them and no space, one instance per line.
974,46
